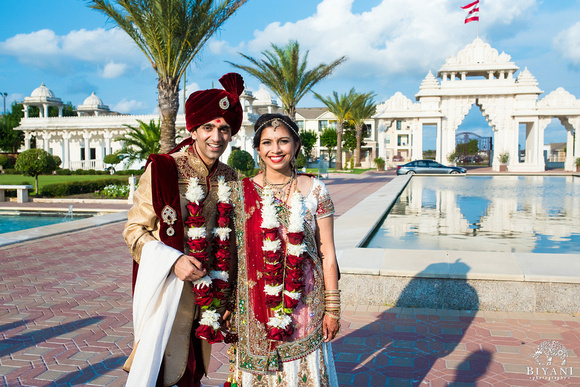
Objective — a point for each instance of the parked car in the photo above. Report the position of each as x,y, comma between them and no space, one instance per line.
427,166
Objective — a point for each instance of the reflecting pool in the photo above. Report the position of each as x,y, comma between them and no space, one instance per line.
539,214
10,223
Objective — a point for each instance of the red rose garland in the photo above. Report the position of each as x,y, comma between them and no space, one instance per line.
283,275
209,290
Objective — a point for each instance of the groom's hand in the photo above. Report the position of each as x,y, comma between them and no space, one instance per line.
187,268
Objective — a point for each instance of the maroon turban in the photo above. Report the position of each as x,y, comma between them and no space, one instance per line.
204,106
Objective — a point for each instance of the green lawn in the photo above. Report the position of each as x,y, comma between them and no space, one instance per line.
54,179
356,171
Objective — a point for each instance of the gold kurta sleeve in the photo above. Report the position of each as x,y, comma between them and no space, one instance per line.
142,222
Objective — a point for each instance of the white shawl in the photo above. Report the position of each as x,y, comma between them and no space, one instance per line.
155,301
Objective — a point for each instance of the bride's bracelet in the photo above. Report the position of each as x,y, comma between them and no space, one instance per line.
332,302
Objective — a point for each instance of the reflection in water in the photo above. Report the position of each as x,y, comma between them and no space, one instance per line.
539,214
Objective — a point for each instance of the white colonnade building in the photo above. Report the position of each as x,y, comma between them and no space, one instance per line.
478,75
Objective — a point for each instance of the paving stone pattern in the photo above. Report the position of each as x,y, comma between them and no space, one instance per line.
65,320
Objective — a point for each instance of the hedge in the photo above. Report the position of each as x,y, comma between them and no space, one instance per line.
76,187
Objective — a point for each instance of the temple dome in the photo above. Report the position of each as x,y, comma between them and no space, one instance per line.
93,100
42,91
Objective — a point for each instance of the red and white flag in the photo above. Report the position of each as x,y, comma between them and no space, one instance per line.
472,11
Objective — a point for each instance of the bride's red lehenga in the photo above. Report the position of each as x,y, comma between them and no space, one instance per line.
303,355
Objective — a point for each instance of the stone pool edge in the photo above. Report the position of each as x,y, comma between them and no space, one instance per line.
30,234
527,282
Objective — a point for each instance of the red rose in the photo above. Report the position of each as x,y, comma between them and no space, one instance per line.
198,244
222,244
207,333
195,221
289,330
272,266
290,302
219,284
290,286
204,300
294,275
276,334
201,256
223,265
222,254
270,233
225,209
201,291
295,238
194,209
272,301
294,261
272,256
223,221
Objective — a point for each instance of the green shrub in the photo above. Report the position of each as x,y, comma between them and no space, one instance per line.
63,172
241,161
380,163
300,161
11,171
115,191
76,187
130,172
4,160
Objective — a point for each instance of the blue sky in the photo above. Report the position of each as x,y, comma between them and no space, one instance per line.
391,46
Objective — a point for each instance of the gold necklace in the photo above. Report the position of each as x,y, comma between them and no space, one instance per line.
279,189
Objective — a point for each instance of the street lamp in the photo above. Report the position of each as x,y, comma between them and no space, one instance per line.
4,96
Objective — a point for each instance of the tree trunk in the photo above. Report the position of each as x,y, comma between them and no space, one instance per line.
338,163
291,112
358,145
168,106
36,185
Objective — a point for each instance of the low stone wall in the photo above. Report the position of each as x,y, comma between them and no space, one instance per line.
459,294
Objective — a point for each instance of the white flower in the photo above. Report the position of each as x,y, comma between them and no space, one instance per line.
293,295
222,275
211,318
196,232
269,214
280,321
224,191
202,282
296,218
273,290
222,232
194,191
296,250
271,245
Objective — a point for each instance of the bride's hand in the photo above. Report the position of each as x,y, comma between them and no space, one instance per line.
330,327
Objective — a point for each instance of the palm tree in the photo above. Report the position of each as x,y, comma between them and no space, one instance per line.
341,106
364,108
284,72
140,142
170,33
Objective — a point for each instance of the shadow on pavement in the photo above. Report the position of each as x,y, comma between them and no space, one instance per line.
91,372
401,347
25,340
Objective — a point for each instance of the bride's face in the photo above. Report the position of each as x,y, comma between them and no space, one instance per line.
277,146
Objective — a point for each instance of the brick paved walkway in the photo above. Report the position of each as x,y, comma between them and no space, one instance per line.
65,319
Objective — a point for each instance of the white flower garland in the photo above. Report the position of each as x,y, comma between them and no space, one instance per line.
280,320
269,214
297,213
194,191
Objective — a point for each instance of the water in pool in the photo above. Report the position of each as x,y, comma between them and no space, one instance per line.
9,223
539,214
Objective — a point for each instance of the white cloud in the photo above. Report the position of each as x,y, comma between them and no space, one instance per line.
44,48
128,106
395,37
114,70
567,43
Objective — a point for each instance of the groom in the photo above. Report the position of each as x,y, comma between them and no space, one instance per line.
166,351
